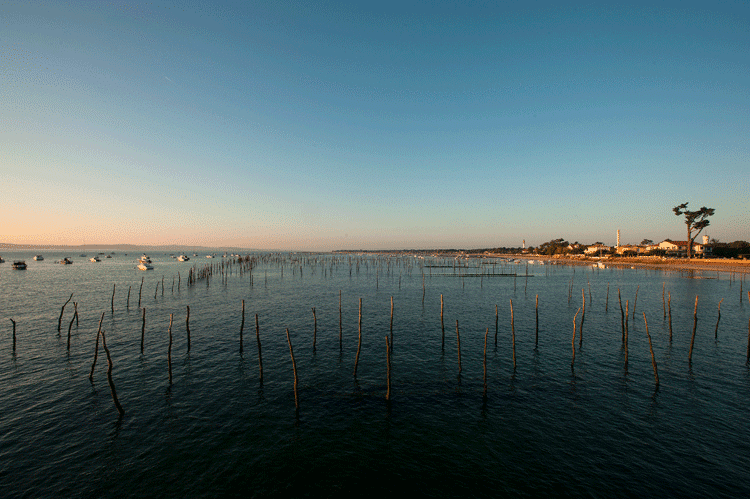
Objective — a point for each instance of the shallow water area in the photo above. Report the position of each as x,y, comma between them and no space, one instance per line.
597,425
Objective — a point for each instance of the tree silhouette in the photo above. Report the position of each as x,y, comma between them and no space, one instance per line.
695,221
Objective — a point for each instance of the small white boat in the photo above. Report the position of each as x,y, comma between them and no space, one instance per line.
144,258
1,260
38,258
95,259
145,264
209,256
19,265
182,258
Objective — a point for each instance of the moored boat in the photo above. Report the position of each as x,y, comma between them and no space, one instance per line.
182,258
95,259
65,261
38,258
19,265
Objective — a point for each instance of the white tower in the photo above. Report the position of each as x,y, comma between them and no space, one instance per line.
618,238
524,244
705,240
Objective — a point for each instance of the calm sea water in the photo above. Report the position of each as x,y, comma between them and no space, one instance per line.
599,428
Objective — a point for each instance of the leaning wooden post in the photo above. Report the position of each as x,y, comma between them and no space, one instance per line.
315,328
458,343
294,366
663,303
359,343
653,359
156,290
75,312
606,303
96,348
260,357
583,318
669,308
187,327
695,325
143,327
513,333
484,361
59,321
127,304
442,324
536,340
636,299
627,304
169,349
109,377
718,318
622,315
14,334
573,341
140,290
112,302
242,326
72,320
388,366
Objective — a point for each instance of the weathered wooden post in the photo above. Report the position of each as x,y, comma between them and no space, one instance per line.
294,366
71,324
169,349
242,327
140,290
536,340
96,348
573,341
458,343
127,304
606,303
718,318
622,315
695,326
109,377
653,359
583,318
112,302
187,327
315,328
260,357
59,320
513,333
669,308
143,327
14,334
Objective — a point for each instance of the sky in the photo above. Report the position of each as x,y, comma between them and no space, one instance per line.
345,125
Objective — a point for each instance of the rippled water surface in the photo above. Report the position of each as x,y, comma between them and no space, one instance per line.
599,427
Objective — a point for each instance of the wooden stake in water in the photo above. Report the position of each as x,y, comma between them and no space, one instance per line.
669,308
573,341
663,304
315,328
627,304
109,377
458,344
636,299
622,315
71,324
650,346
140,290
242,327
14,334
513,333
187,327
260,357
391,323
442,324
359,343
127,304
169,349
294,367
112,303
96,348
695,326
718,318
583,318
496,323
59,320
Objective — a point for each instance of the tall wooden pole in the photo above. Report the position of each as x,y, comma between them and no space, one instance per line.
718,318
458,343
109,378
650,346
14,334
143,327
513,333
294,367
187,327
59,320
96,348
695,326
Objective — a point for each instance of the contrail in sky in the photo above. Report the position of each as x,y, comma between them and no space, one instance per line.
169,80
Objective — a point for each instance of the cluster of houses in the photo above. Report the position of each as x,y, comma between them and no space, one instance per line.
668,247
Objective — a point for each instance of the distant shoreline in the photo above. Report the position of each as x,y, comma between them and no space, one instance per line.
678,264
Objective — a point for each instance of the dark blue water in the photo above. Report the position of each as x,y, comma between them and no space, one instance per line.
598,428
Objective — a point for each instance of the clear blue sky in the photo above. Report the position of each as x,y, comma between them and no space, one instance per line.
343,125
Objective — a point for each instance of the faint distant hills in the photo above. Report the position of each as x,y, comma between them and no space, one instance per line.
121,247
